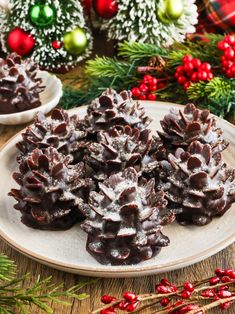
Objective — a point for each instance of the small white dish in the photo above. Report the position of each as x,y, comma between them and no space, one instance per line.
50,98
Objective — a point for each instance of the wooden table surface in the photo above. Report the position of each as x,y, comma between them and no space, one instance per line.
198,271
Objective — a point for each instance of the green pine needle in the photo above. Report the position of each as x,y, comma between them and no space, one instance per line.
39,294
136,51
106,67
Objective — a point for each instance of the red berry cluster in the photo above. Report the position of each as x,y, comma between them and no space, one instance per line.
129,303
147,87
192,71
218,290
227,45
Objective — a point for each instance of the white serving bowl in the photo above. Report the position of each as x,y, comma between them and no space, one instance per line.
50,97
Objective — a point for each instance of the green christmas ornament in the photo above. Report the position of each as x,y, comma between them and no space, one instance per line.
42,15
170,11
75,42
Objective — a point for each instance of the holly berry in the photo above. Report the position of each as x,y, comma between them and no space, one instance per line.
106,299
131,307
188,286
186,294
147,87
152,97
227,45
164,302
214,280
130,296
136,92
143,88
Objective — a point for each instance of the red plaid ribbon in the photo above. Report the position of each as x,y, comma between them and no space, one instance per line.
217,16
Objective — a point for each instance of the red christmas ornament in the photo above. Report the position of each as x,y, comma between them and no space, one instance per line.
105,8
20,41
56,44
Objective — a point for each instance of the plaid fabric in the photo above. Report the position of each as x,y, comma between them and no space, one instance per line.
217,16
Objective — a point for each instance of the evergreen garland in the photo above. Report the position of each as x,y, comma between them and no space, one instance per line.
69,15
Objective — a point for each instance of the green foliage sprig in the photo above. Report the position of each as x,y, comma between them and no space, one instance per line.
15,299
123,72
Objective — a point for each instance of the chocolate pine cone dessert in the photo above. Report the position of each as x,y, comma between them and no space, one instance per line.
181,128
112,109
119,148
125,220
50,193
62,132
199,184
19,85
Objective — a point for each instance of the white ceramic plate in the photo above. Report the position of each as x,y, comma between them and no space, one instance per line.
65,250
50,98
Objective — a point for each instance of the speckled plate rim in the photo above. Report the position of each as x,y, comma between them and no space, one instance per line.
113,271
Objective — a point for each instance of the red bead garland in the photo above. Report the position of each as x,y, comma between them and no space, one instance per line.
192,71
227,45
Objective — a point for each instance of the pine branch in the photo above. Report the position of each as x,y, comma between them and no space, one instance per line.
136,51
107,67
40,293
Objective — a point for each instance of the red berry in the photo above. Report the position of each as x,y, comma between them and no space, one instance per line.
153,88
143,88
164,302
210,76
223,288
131,307
189,66
197,63
227,63
56,44
219,272
186,294
123,305
165,282
232,274
226,305
194,77
153,81
229,39
106,299
205,66
209,293
110,310
229,53
224,294
176,75
214,280
222,45
163,289
202,76
229,73
187,58
225,279
135,92
233,72
142,97
180,69
152,97
228,270
187,85
147,79
188,286
182,79
130,296
188,308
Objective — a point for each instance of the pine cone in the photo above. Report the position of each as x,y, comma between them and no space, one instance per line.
199,184
50,193
62,132
125,220
183,127
112,109
119,148
19,87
